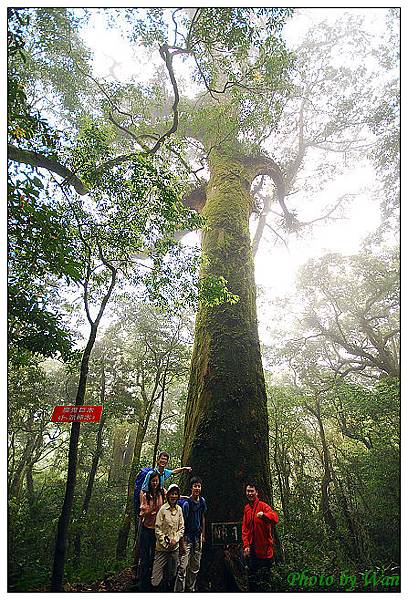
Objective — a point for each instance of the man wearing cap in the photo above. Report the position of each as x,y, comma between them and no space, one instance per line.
169,530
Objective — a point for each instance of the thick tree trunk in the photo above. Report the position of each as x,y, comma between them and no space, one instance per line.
226,424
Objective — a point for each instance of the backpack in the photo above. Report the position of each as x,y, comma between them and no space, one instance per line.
140,477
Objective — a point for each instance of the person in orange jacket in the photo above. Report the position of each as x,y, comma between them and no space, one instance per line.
257,538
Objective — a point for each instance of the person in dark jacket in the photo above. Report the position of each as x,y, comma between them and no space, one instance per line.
257,538
194,508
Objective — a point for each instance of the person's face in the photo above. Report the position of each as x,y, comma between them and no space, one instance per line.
196,489
154,482
163,460
251,493
173,497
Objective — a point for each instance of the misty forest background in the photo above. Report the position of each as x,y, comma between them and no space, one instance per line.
105,178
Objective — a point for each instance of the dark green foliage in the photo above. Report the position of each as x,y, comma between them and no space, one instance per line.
31,540
41,252
361,425
40,249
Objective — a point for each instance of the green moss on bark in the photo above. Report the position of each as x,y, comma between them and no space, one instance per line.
226,428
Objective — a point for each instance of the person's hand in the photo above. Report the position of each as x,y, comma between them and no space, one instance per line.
189,469
172,543
260,514
246,552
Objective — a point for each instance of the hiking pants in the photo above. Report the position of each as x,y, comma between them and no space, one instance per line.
188,567
146,551
259,573
165,561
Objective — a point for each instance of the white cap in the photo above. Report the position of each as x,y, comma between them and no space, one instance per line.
172,487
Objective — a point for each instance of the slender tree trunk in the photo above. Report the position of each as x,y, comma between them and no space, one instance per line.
123,535
92,475
148,403
327,475
129,450
282,470
353,529
160,416
65,516
116,468
226,424
19,471
30,488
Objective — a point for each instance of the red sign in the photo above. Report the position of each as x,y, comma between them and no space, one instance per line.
82,414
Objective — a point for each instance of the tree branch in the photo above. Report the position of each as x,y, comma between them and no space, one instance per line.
35,159
168,59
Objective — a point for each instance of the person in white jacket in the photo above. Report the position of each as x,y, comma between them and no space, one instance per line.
169,529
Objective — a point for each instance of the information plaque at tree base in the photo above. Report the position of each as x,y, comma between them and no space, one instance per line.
79,414
226,533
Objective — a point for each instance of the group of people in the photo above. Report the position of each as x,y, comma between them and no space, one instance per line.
172,532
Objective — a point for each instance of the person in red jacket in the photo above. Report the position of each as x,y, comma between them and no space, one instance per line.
257,539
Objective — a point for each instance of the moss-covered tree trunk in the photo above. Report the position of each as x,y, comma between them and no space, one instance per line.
226,425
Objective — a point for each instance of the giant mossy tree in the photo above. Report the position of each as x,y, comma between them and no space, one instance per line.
239,72
244,68
241,65
226,419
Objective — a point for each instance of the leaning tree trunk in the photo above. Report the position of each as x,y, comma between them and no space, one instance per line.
129,449
226,424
